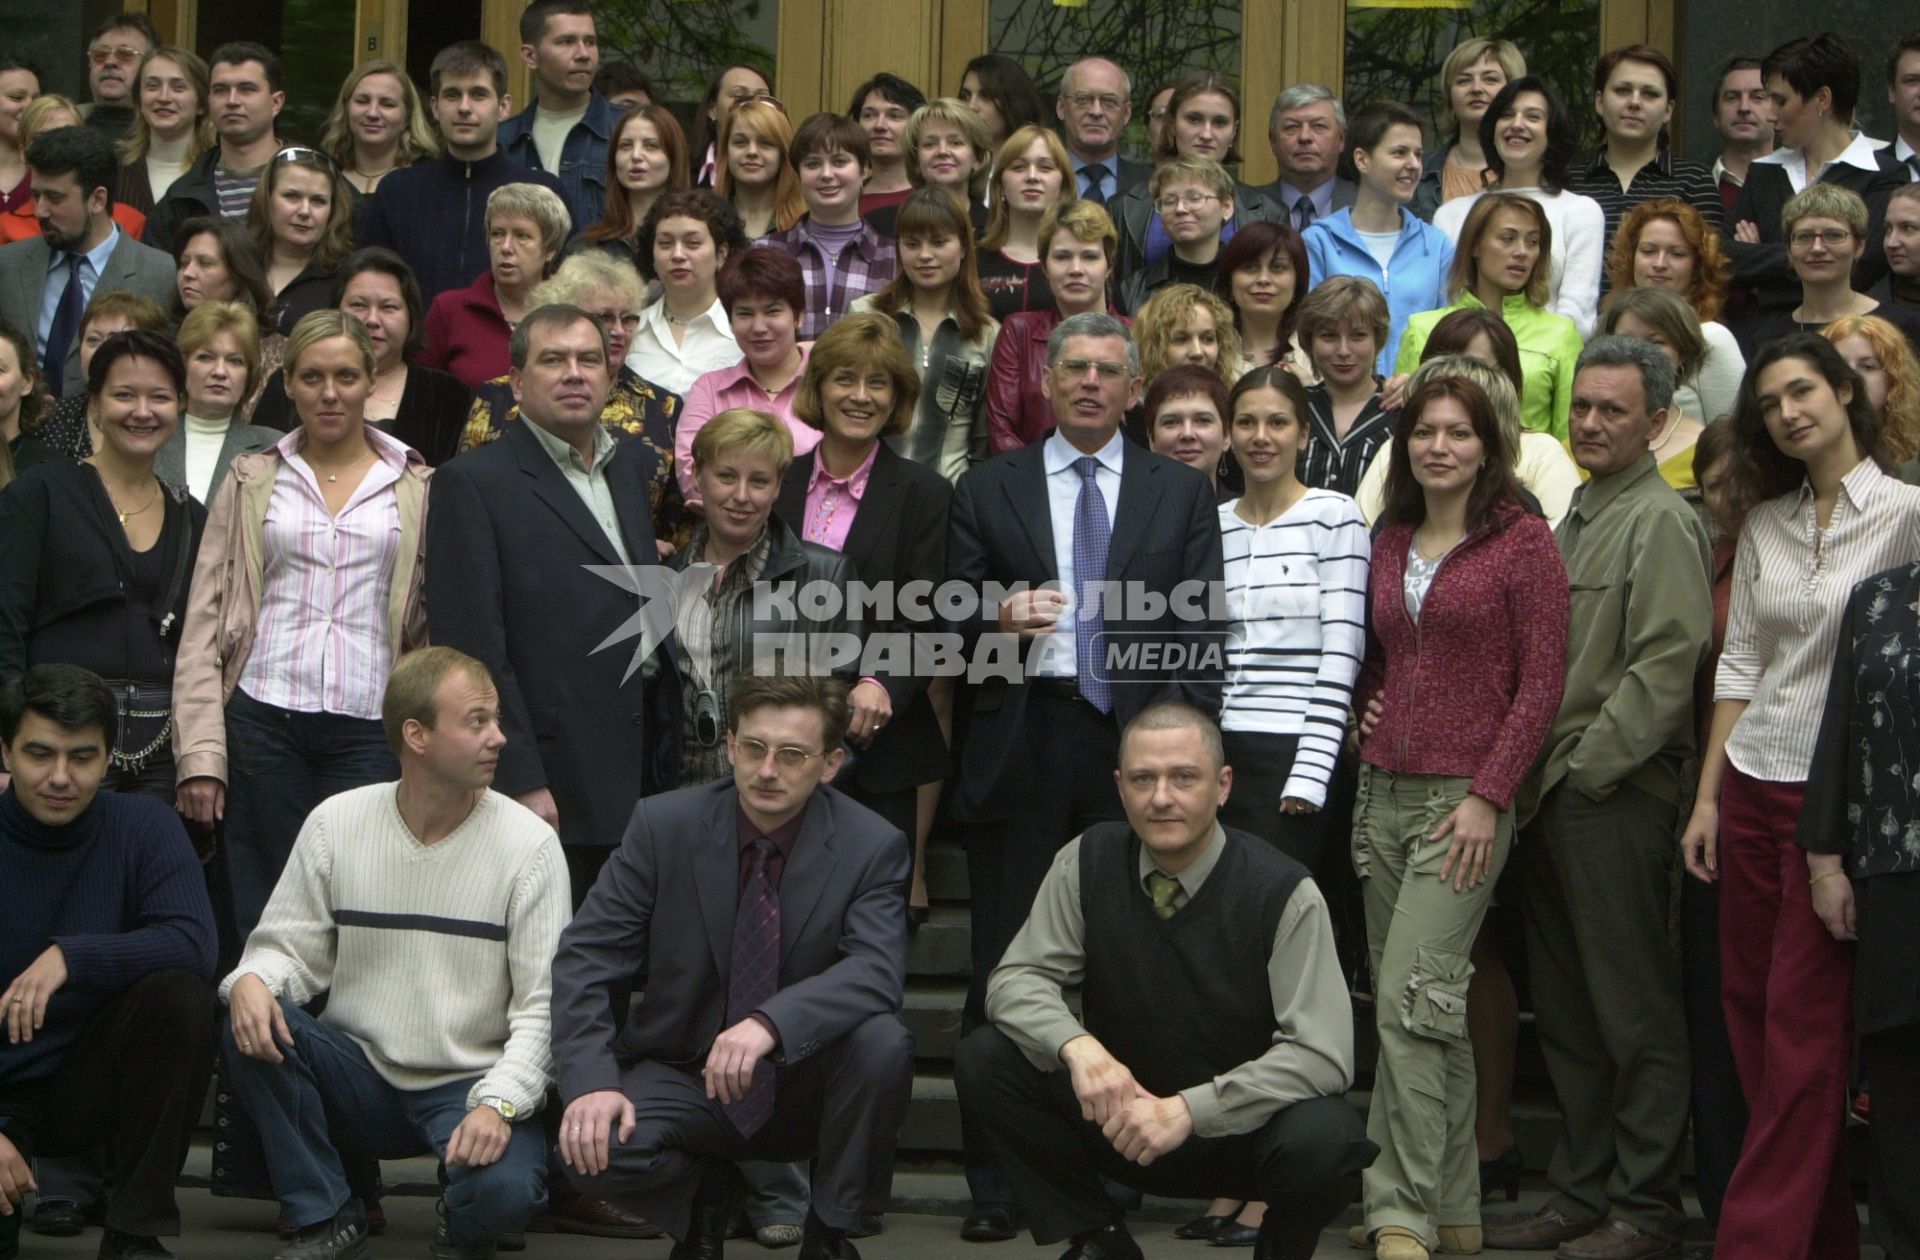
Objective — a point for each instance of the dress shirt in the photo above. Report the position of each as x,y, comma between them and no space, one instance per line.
866,266
90,272
1790,585
1333,462
1723,174
1905,152
782,836
1862,153
724,389
589,483
1055,656
1321,197
1109,183
833,501
1312,1051
321,642
706,343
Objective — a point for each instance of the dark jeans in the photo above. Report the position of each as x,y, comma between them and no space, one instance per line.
326,1096
281,764
1304,1162
132,1083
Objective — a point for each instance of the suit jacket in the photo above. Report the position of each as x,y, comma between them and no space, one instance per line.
170,465
1762,271
507,545
23,280
1344,191
1166,531
661,916
899,535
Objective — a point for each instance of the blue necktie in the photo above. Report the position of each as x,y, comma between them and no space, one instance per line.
1096,173
1091,534
66,322
753,977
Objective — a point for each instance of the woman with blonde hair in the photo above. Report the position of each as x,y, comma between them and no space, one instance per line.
752,171
1472,75
1890,370
301,217
947,148
1032,174
220,345
1183,323
1662,318
172,126
378,125
19,84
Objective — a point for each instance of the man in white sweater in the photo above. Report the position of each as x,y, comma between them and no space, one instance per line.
428,912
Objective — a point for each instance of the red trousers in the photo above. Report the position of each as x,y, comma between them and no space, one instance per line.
1787,986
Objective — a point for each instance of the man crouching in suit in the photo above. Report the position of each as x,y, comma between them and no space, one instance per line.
766,918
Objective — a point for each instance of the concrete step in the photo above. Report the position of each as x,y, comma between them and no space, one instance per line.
942,946
932,1015
946,872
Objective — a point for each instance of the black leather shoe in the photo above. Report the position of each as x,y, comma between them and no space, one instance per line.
1110,1243
1201,1228
822,1241
869,1224
713,1205
115,1245
58,1218
1234,1234
991,1222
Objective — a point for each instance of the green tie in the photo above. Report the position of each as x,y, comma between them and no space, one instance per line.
1163,888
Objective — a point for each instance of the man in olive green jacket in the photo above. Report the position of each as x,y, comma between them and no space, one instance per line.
1598,862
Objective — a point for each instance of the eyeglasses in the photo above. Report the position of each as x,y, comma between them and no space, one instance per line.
1087,100
1191,200
787,756
1832,238
620,319
120,52
1107,369
740,96
298,152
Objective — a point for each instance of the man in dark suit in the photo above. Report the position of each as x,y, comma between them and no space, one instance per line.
1079,507
766,917
1308,131
47,280
1094,105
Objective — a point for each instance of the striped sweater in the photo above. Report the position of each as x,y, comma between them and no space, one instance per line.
435,960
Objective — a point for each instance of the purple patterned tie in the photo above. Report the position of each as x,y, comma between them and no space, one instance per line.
755,978
1091,534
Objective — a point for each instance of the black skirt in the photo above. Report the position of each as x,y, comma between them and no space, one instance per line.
1886,966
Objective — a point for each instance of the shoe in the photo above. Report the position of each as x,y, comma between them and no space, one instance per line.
115,1245
376,1225
1234,1234
714,1199
869,1224
1110,1243
515,1241
1390,1242
1536,1231
1502,1171
992,1222
598,1218
774,1237
1455,1240
1859,1111
342,1238
1617,1240
444,1248
820,1241
57,1218
1204,1227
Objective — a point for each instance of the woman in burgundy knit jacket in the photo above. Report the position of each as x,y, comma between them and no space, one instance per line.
1466,657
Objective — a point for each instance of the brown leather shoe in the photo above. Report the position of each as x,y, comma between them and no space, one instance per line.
598,1218
1536,1231
1617,1240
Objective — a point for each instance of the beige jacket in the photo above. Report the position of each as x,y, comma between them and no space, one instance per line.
225,600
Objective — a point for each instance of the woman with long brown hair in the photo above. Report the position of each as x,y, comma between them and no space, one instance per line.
647,157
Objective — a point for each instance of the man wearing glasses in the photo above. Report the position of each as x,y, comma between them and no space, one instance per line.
1094,106
766,915
112,58
1194,196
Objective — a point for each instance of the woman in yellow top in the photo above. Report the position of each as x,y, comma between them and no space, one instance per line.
1501,264
1665,318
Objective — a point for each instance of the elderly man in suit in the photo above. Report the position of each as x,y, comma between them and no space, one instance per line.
1095,102
1076,509
766,916
1308,132
47,281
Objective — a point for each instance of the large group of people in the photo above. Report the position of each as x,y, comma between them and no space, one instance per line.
492,610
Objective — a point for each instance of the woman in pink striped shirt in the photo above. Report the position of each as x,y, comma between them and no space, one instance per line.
305,592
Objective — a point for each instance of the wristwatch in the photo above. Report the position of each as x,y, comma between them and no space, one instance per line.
506,1109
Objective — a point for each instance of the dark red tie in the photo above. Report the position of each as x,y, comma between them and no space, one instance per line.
755,978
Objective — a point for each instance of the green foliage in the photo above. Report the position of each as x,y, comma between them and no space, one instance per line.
316,52
683,41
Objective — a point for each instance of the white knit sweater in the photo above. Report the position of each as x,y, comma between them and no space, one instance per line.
436,960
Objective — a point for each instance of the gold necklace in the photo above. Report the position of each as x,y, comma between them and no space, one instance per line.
126,516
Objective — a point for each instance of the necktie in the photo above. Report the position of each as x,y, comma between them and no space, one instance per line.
1303,215
755,976
1096,173
66,322
1163,888
1913,167
1091,534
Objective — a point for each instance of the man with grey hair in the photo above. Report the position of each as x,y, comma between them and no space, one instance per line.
1094,106
1079,513
1598,867
1308,131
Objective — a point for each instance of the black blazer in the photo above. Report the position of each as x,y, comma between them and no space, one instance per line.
432,415
1762,271
508,542
661,917
1166,531
899,535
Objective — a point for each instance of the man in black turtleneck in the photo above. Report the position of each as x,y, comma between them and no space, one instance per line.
1215,1039
434,213
113,58
107,956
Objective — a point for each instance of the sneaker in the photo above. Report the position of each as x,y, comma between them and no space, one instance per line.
774,1236
444,1248
342,1238
57,1218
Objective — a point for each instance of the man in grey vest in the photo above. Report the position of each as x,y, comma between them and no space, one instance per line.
1216,1039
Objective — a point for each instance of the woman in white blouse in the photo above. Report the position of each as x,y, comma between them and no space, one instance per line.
1529,138
220,342
686,236
1808,455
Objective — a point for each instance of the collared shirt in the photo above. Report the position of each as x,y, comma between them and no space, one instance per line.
1321,199
705,344
1905,152
1109,183
589,483
1723,174
1056,655
866,266
782,836
1861,153
724,389
704,652
1791,580
833,501
1312,1051
1665,176
321,643
92,267
1333,462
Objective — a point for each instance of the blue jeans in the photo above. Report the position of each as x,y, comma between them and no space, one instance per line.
280,764
327,1095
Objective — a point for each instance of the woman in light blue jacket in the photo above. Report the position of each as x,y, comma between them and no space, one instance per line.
1378,238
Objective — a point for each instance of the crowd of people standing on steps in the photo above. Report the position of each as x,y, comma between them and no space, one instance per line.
446,705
